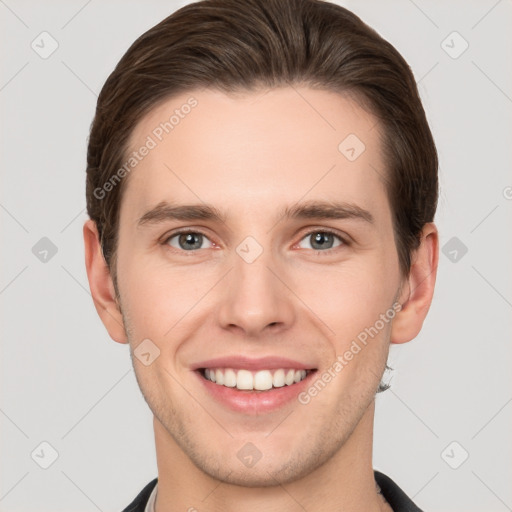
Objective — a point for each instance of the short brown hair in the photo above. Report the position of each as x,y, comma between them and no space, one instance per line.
234,45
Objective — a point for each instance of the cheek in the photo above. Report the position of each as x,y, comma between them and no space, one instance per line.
157,296
351,296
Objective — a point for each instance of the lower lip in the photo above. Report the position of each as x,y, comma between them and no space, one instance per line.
254,402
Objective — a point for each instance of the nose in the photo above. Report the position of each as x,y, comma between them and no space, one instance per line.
256,299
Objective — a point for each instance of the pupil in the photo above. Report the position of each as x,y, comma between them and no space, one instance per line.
191,240
321,239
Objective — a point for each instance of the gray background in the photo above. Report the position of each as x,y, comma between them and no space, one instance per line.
65,382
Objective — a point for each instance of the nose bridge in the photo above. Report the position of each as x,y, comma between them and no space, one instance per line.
254,297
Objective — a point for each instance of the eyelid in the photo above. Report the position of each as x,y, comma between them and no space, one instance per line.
182,231
347,240
325,253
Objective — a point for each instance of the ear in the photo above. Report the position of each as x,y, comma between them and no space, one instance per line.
417,288
101,285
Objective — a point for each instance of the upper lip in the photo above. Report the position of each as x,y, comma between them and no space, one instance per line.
248,363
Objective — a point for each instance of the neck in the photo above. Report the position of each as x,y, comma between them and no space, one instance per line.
345,482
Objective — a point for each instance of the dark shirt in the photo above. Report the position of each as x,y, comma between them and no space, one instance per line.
398,500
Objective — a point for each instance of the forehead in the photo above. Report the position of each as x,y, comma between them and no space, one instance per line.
252,150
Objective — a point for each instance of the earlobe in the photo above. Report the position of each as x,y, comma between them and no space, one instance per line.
101,285
418,288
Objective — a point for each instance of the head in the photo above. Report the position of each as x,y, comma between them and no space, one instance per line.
298,135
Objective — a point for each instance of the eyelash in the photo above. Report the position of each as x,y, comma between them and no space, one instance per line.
343,240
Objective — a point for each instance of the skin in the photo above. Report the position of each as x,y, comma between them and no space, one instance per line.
250,155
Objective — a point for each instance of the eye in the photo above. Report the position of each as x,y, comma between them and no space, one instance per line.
322,240
188,241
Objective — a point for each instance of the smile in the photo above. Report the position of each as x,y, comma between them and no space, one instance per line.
247,380
254,386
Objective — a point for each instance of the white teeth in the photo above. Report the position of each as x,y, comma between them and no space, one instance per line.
289,377
229,378
261,380
244,380
278,379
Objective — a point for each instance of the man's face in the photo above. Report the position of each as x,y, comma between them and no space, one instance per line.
262,292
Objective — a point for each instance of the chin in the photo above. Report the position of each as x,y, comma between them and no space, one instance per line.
263,474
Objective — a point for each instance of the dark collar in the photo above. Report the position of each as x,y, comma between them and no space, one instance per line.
140,502
398,500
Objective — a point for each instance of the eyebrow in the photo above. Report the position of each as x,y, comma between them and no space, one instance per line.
165,211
